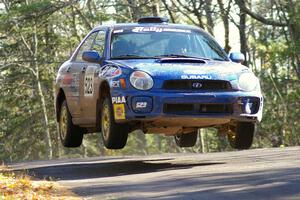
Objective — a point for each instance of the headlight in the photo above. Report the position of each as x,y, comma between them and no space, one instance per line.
248,82
141,80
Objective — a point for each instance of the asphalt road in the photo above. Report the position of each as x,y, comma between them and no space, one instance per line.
252,174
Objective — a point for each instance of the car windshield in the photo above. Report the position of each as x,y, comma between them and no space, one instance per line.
160,42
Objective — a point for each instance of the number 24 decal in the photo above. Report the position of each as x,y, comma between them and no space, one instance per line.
89,85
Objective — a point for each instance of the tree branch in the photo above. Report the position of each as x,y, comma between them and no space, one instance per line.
259,17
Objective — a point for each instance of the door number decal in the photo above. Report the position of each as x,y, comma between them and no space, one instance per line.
89,85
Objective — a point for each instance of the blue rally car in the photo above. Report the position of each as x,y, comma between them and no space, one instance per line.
158,77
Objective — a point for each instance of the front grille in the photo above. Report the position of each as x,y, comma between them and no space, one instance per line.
183,109
214,85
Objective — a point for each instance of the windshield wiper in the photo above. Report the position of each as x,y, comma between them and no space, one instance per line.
179,56
131,56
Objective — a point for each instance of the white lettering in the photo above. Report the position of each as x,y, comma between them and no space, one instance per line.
199,76
141,104
158,30
118,100
118,31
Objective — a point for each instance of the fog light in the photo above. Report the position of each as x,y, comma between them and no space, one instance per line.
248,107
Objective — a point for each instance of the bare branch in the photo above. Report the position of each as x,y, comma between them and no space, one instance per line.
181,11
26,44
86,22
169,11
19,65
259,17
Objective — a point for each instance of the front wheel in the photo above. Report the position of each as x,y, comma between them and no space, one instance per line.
186,140
241,135
70,134
114,135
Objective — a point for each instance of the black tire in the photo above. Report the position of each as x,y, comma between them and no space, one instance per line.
114,135
70,134
241,137
186,140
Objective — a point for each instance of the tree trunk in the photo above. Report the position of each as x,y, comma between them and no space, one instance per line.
208,11
46,123
155,8
142,142
157,139
134,10
42,97
57,137
52,54
224,16
201,135
84,149
242,31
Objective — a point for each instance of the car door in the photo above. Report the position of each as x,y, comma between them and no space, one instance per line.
76,69
89,75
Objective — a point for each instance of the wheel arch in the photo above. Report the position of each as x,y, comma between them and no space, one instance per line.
104,91
60,97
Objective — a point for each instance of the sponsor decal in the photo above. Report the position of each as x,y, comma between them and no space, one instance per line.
89,85
119,111
67,80
176,30
141,104
147,29
115,84
116,72
118,31
121,99
71,81
199,76
110,71
158,29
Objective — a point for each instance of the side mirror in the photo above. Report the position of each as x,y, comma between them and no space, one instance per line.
91,56
237,57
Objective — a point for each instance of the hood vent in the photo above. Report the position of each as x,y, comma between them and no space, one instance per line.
181,60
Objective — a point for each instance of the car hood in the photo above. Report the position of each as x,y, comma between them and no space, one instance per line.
216,70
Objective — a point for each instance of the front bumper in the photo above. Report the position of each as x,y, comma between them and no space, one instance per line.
184,106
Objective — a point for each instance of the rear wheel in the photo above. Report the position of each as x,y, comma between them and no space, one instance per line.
186,140
70,134
114,135
241,136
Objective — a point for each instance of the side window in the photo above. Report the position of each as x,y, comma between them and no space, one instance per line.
86,46
99,42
